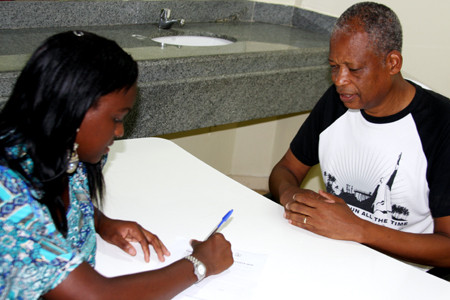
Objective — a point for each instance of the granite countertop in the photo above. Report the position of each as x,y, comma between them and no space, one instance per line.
276,66
18,44
269,70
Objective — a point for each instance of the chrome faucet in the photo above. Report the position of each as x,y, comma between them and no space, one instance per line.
164,22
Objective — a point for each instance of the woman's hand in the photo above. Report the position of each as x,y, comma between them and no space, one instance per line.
121,233
215,253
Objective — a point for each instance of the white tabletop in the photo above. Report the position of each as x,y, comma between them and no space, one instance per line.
175,195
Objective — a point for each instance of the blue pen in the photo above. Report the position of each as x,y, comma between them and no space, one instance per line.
224,219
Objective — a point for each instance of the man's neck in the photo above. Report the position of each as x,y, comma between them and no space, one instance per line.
399,97
402,94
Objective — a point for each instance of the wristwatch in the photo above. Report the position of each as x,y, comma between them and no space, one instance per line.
199,267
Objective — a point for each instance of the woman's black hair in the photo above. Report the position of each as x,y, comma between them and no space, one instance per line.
64,77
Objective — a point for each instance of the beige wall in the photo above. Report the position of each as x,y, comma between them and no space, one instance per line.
426,35
248,152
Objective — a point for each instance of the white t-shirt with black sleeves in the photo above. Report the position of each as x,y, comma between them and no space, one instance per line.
393,171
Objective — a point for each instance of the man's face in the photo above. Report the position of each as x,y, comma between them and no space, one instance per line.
361,76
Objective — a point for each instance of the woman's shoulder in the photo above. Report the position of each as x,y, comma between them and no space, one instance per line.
18,199
37,256
12,184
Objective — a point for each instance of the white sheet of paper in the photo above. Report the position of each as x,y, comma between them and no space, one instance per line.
237,282
112,261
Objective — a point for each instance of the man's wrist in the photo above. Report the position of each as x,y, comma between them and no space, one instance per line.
287,195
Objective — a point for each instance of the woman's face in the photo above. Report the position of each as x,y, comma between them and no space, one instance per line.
103,123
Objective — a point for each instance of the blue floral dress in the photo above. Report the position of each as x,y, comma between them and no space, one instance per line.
35,257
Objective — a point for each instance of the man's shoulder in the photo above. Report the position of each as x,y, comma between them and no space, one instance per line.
432,99
432,105
330,105
441,103
331,93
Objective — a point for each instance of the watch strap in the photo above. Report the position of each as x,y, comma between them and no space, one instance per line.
199,267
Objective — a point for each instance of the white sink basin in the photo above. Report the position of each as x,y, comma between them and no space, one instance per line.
192,40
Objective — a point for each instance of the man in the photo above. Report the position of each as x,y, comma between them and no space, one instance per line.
383,144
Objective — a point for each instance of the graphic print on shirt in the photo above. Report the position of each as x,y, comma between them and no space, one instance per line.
378,169
364,157
377,204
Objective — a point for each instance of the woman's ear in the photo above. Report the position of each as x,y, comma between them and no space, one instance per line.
394,61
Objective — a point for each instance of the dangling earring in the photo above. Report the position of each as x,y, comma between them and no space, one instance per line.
73,160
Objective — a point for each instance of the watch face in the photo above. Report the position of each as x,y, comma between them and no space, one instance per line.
201,269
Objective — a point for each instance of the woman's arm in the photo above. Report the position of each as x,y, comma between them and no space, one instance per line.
121,233
85,283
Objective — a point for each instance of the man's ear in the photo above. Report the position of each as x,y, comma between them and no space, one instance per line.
394,61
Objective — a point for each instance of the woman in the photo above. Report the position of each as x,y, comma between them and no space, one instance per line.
65,110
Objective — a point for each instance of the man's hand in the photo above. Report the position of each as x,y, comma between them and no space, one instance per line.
324,214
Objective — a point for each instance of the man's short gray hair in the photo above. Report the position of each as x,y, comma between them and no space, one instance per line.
379,21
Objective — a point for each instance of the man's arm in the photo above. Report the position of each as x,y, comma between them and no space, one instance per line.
427,249
286,177
336,220
330,216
